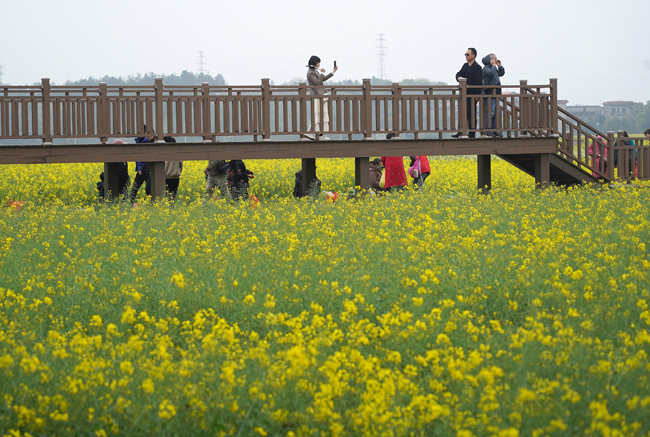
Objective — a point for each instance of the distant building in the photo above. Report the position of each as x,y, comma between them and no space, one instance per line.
595,114
621,108
590,114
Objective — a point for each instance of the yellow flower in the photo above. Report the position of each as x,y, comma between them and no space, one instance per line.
178,279
166,410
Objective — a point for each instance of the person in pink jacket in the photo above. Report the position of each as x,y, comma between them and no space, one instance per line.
595,153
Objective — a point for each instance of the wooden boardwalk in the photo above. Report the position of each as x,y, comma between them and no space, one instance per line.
538,137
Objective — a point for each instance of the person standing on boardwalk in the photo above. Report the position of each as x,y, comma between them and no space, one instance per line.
216,176
474,75
315,77
492,73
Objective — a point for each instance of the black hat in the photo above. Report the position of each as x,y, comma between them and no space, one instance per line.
313,61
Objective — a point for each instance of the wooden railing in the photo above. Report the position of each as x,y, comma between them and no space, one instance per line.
581,145
57,112
631,158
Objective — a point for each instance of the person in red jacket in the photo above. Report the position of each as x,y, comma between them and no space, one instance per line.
419,169
395,178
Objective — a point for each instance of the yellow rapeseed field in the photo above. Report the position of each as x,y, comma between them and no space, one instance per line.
435,313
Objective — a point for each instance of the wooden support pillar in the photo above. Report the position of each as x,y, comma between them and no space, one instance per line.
111,180
157,180
542,170
308,175
484,172
362,173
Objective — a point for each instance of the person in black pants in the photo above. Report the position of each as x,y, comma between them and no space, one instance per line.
238,179
142,173
474,75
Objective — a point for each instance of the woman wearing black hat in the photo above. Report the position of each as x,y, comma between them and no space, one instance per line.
316,78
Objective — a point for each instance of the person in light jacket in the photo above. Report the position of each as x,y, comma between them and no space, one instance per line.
492,72
173,170
316,77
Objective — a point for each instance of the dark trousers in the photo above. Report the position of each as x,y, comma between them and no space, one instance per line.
172,186
471,108
137,183
419,181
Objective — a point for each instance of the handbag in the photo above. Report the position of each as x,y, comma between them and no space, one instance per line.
382,181
414,170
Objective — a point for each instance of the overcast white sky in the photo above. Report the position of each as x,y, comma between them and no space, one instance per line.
597,49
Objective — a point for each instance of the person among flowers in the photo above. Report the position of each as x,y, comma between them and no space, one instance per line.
375,175
419,169
597,150
395,175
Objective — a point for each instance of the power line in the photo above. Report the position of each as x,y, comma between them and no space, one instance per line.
202,64
382,54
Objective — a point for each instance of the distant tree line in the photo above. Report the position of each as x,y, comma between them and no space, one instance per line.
637,121
374,81
185,78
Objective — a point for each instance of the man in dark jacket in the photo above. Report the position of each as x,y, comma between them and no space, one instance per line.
492,72
474,75
100,188
142,172
297,188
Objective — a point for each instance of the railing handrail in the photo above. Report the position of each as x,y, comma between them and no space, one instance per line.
574,118
103,111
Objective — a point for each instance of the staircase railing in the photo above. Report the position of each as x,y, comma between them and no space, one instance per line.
631,158
585,146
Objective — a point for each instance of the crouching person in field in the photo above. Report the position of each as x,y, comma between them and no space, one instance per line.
314,190
100,188
375,174
217,176
238,179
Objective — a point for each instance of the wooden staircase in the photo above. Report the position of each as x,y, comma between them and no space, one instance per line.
561,171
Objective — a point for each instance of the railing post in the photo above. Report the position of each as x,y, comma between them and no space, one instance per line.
103,117
554,112
484,163
462,108
47,128
157,181
397,96
542,170
366,110
207,125
362,172
111,180
621,157
159,132
611,141
523,107
302,94
266,109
